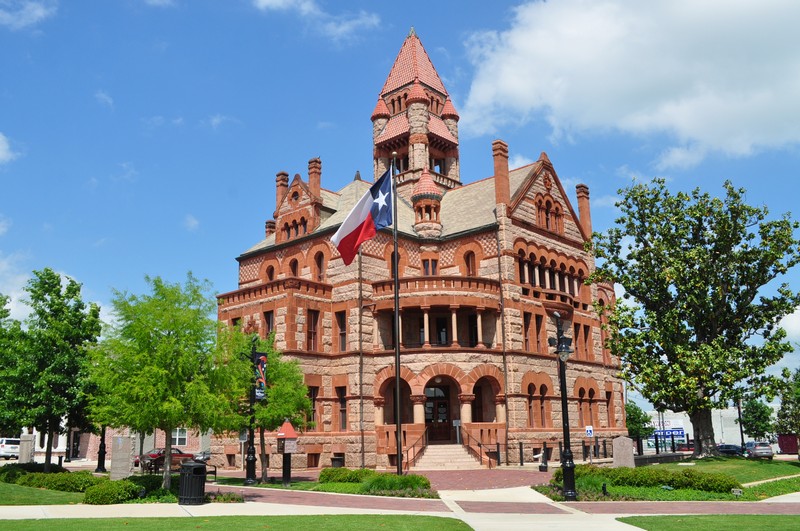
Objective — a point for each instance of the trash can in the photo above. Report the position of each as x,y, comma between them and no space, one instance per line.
192,485
337,461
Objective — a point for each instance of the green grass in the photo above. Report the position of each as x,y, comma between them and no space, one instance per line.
11,494
744,470
226,523
338,488
713,522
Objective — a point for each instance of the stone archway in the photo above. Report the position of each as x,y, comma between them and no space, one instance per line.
442,414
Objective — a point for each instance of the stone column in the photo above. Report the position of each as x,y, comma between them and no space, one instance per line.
454,320
399,337
480,326
379,403
419,408
426,326
499,409
466,408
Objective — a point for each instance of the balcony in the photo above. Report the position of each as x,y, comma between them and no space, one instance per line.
440,291
259,292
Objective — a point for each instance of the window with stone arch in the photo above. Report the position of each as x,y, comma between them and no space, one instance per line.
270,273
293,267
469,264
537,408
319,267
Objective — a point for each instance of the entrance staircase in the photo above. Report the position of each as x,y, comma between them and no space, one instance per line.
446,457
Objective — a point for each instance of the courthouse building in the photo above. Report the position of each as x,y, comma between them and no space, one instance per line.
485,263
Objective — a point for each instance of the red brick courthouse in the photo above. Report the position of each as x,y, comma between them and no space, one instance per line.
483,267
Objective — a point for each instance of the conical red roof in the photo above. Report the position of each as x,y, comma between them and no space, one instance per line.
381,110
412,63
426,187
417,94
449,111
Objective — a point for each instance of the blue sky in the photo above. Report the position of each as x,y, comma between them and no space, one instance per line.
142,137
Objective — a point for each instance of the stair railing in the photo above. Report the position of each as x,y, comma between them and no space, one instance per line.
415,451
474,446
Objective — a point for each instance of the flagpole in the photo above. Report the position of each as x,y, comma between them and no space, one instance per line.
396,274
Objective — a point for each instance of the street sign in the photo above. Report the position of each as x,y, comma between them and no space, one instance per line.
590,431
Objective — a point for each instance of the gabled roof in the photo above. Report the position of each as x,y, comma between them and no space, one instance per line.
412,63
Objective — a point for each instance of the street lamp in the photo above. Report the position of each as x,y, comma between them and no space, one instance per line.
258,360
563,350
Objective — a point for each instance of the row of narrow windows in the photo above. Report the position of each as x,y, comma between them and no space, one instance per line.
400,103
539,401
549,216
295,228
547,275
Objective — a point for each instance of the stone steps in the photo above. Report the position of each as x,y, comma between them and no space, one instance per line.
446,457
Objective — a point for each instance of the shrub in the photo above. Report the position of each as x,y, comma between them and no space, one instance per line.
345,475
157,496
153,482
63,481
393,482
10,473
224,497
110,492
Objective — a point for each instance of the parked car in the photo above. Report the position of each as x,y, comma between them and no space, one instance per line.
202,457
9,448
154,459
687,446
759,450
730,449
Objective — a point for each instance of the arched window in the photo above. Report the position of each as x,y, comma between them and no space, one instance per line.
319,263
287,230
542,409
469,264
270,273
304,225
294,228
293,267
521,257
582,406
537,410
547,215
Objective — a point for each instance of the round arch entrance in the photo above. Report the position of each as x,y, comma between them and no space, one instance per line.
442,409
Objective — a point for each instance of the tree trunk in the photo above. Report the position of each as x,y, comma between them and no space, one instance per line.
48,449
704,444
167,459
263,456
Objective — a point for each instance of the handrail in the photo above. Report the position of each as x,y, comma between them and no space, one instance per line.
411,458
467,442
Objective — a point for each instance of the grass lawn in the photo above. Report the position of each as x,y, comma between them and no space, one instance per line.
11,494
713,522
340,488
226,523
744,470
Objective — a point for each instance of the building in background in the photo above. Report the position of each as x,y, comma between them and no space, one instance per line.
484,265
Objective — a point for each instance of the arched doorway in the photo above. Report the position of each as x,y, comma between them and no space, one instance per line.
406,408
441,409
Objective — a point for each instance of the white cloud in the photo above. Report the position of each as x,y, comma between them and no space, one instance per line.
127,172
5,224
518,161
791,323
190,223
6,155
217,120
340,28
718,76
104,99
19,14
605,201
12,282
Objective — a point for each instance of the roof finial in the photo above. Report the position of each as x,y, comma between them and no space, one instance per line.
357,176
411,32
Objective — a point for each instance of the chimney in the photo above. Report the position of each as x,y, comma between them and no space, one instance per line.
502,187
281,187
583,208
269,228
314,175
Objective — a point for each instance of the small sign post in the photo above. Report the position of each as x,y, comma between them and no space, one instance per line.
287,445
589,435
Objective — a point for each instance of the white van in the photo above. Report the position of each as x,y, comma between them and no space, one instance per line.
9,448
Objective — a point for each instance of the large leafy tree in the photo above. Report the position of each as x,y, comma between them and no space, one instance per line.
47,380
696,321
166,364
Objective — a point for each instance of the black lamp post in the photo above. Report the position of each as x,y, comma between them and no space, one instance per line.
563,351
250,459
101,452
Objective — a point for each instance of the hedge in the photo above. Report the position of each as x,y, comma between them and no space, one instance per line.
656,477
10,473
63,481
345,475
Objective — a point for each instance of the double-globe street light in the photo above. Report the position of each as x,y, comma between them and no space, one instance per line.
563,350
257,392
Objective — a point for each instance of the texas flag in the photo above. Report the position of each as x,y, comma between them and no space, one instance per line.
372,213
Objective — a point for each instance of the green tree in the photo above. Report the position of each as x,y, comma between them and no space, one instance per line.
696,320
757,420
49,376
10,338
639,423
166,364
787,421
